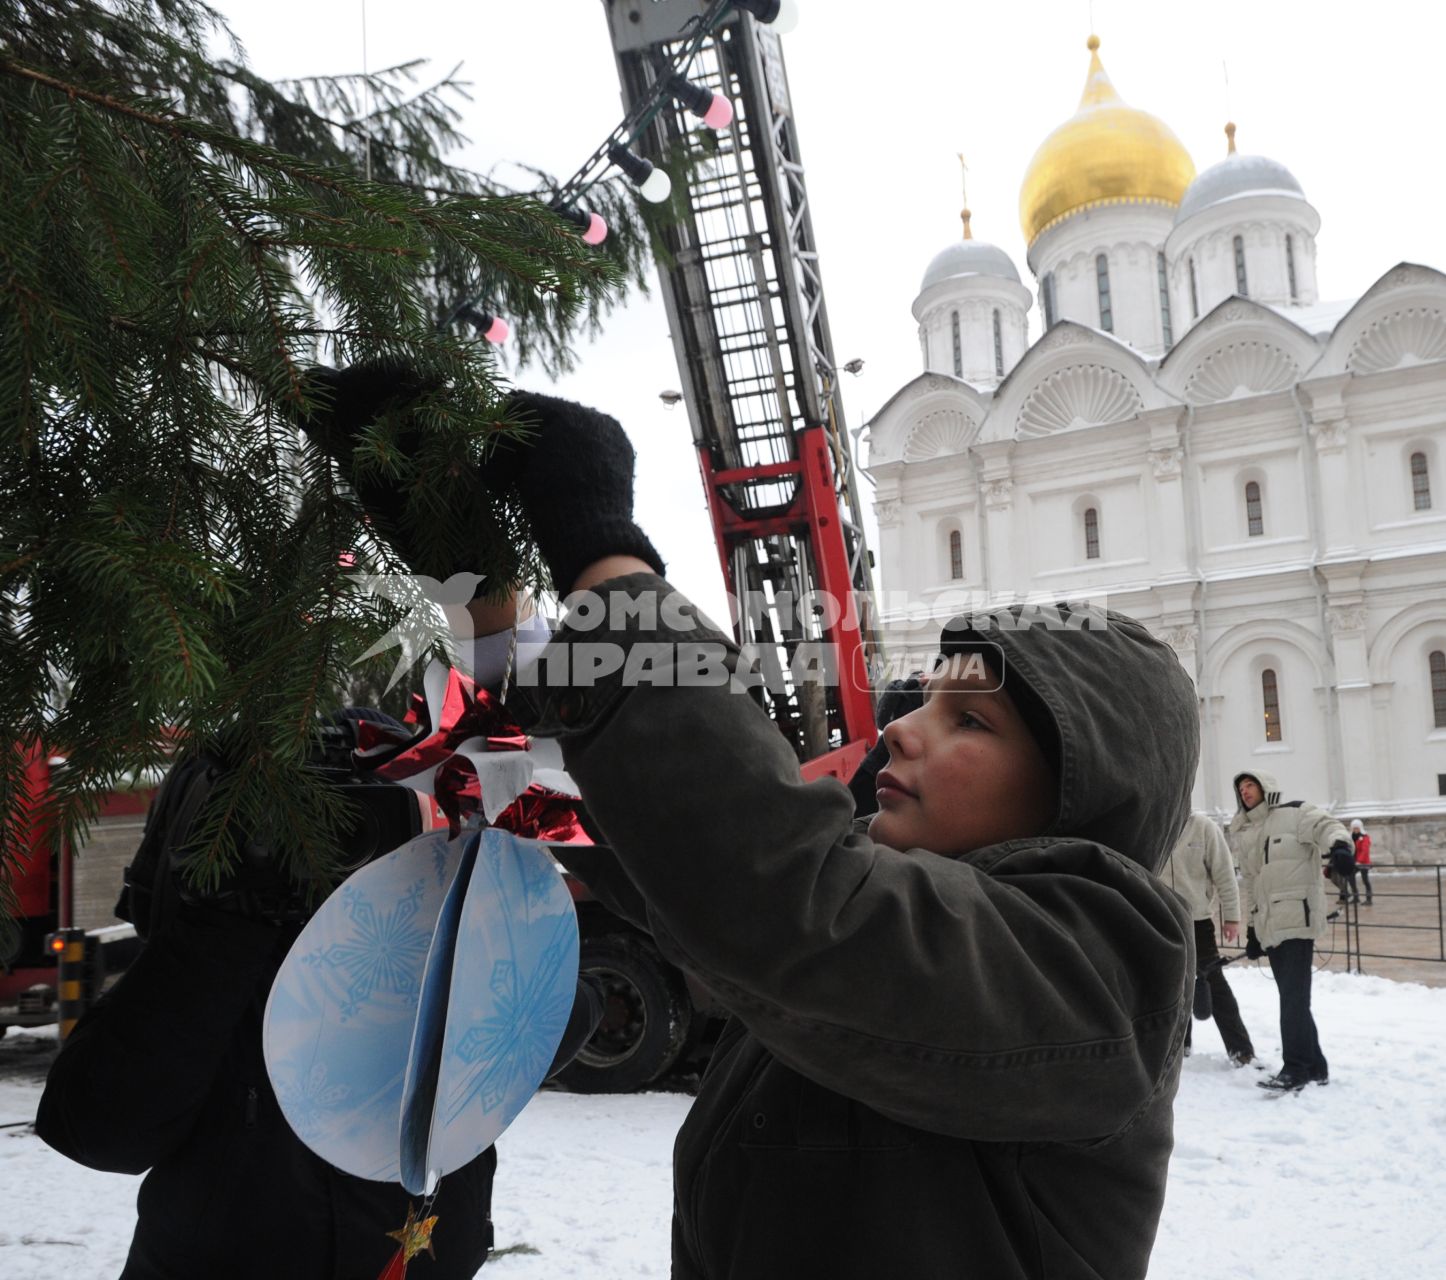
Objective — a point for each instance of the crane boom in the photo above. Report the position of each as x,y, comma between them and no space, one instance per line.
745,305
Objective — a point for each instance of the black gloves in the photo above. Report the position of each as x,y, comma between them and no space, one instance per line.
1253,949
574,476
354,398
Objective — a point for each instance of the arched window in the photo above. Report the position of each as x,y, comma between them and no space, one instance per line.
1437,662
1290,266
998,346
1164,301
1240,286
956,555
1102,281
1254,517
958,347
1092,533
1270,702
1420,482
1194,293
1046,298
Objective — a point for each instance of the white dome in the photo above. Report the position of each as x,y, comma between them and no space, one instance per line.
1237,175
969,258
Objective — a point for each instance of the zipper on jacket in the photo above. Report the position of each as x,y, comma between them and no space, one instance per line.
251,1106
1305,902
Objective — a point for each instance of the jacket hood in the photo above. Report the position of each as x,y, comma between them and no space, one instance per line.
1113,708
1268,785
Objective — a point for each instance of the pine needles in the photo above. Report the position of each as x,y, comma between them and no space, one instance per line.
179,241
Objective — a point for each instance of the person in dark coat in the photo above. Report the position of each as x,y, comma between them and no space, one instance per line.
165,1073
957,1026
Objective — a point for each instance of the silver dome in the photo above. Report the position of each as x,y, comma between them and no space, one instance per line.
1237,175
969,258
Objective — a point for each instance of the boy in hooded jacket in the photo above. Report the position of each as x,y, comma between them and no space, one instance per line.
957,1026
1281,848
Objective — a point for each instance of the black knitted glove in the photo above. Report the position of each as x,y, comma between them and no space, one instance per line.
573,474
1253,949
351,400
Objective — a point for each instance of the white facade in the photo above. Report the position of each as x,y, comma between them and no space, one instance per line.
1254,504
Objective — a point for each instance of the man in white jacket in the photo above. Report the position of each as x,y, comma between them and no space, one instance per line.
1281,848
1202,872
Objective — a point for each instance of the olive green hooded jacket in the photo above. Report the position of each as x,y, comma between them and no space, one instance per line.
939,1066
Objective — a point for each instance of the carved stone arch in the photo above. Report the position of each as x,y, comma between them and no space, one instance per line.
1410,335
1078,395
1280,633
1401,319
1390,637
1246,367
939,434
1236,349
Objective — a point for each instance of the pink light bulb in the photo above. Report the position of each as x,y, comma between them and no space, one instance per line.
498,331
346,560
597,230
719,114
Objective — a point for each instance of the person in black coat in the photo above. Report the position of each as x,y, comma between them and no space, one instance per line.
165,1073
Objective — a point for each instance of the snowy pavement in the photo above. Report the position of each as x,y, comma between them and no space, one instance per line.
1342,1183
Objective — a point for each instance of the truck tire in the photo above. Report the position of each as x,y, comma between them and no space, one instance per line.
646,1018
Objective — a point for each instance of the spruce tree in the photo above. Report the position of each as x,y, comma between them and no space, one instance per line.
180,240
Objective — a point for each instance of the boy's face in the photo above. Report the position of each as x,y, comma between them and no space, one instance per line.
1250,793
964,770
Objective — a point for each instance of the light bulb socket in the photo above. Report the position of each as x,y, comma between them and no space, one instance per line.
493,328
653,184
594,229
633,165
712,108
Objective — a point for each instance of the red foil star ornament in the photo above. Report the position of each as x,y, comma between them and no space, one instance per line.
414,1236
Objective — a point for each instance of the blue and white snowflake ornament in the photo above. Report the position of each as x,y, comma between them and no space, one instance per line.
418,1010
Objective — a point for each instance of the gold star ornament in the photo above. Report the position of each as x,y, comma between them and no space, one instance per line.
415,1235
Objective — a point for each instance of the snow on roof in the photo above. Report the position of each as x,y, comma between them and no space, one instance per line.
1319,319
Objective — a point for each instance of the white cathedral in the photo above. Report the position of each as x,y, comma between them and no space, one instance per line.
1201,442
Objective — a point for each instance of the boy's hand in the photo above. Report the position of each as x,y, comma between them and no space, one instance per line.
1230,930
353,398
573,474
1253,949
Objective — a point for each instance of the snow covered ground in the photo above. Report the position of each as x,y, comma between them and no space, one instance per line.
1342,1183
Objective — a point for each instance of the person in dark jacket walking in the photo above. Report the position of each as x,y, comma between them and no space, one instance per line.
958,1026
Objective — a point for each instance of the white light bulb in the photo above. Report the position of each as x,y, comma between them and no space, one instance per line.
656,187
787,17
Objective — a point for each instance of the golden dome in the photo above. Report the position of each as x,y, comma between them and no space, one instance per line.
1106,153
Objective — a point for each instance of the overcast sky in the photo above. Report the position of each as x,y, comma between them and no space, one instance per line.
1348,96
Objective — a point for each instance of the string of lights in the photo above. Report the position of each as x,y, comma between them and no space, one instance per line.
615,151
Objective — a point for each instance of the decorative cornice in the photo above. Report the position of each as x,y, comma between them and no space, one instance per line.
1345,620
889,513
998,493
1165,463
1180,639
